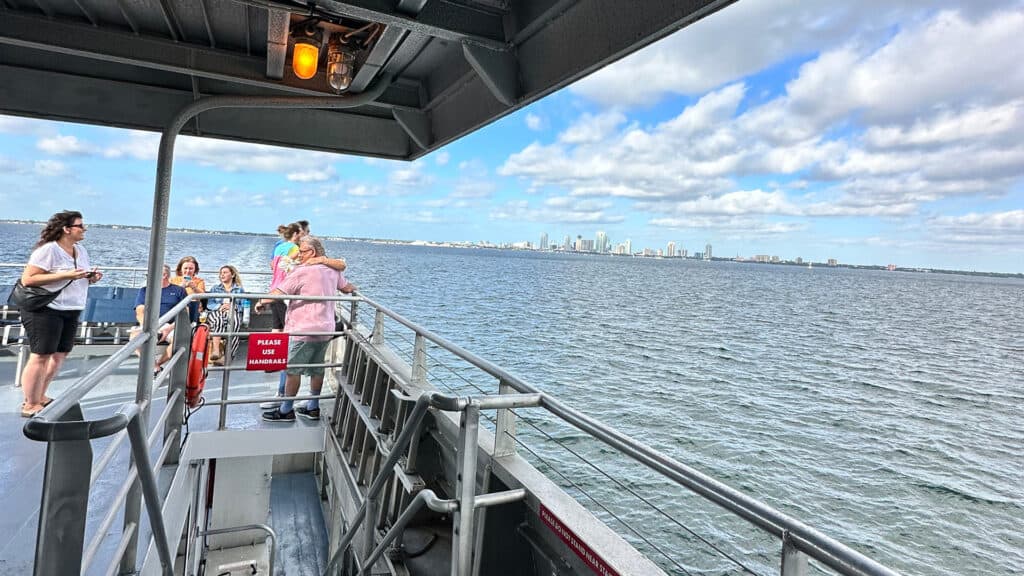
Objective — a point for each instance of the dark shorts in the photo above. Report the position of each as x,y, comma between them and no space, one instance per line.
277,312
50,330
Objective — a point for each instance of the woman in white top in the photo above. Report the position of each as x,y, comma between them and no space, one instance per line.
58,262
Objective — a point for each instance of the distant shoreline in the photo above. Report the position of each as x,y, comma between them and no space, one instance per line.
1019,275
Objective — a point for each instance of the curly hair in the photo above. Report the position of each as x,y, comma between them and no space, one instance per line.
192,259
54,229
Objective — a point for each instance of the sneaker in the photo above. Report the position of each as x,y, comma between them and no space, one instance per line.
313,414
270,405
278,416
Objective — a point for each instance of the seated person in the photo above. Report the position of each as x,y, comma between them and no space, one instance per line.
170,296
219,313
186,276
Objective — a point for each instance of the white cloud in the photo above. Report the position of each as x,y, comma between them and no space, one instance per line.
557,210
752,35
50,168
949,127
1004,229
64,146
362,190
23,126
737,226
592,129
534,122
442,158
230,156
312,175
411,176
853,129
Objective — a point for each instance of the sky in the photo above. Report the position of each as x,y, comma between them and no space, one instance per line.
872,132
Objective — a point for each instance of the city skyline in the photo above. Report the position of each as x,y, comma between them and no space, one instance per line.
875,133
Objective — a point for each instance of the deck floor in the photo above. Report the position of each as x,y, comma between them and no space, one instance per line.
21,470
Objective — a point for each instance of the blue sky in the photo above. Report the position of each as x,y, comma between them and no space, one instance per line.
872,132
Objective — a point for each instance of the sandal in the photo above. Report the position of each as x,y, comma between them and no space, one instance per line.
28,411
46,401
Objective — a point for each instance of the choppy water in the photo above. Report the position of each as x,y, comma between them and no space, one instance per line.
882,408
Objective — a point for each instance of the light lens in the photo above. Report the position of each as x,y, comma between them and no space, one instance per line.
339,69
304,60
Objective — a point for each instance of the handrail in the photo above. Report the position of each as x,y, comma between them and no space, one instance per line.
803,537
270,534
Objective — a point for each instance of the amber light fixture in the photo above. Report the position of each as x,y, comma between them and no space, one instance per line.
304,60
306,53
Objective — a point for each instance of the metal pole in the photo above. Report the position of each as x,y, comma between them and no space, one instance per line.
140,453
60,535
378,328
794,562
179,376
271,535
419,361
424,497
465,489
158,239
505,426
411,429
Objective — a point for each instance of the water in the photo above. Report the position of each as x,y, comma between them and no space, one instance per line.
882,408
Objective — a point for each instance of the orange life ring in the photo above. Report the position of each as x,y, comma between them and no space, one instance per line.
198,359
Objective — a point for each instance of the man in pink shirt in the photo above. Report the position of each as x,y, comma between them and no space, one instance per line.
307,316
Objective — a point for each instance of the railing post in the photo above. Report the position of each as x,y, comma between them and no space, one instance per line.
794,562
505,426
178,378
60,536
352,313
465,490
419,360
378,328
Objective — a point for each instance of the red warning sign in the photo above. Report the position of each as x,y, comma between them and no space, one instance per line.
267,351
586,553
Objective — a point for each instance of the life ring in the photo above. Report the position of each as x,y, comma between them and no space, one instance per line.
198,359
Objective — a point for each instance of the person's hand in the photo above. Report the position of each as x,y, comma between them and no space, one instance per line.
258,306
226,305
94,276
76,274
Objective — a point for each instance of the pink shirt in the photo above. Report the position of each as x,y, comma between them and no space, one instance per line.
305,315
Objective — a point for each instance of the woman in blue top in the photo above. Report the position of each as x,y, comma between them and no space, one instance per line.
219,316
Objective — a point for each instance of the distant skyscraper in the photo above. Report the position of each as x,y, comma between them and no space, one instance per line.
600,243
543,240
567,243
629,246
670,250
707,252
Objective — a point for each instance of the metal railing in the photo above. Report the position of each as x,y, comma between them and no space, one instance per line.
61,547
798,541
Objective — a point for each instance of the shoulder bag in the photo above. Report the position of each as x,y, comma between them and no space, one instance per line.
32,298
35,298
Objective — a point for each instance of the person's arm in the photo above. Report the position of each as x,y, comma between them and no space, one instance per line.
36,276
259,303
332,263
139,313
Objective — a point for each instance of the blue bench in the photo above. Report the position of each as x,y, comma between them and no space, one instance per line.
108,315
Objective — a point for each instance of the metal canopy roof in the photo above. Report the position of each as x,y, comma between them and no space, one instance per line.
452,66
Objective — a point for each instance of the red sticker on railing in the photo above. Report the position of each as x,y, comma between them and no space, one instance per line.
267,351
586,553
